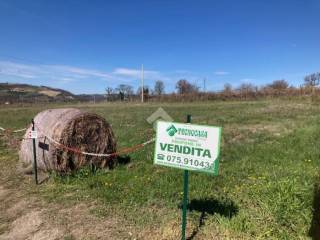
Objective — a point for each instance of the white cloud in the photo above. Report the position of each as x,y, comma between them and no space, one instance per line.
18,74
61,73
79,72
221,73
127,72
65,74
17,70
136,73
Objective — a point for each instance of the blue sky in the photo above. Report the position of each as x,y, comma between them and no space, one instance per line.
85,46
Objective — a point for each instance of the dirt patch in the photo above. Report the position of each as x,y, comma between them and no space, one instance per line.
3,192
275,129
24,227
18,208
284,107
248,132
76,220
29,218
50,93
50,234
18,89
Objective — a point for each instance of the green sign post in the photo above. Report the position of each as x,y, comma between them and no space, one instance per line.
189,147
185,196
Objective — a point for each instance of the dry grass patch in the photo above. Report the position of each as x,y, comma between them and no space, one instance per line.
50,93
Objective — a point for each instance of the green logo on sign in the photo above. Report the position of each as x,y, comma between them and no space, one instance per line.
171,130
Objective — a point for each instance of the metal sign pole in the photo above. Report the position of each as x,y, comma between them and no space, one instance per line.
35,170
185,196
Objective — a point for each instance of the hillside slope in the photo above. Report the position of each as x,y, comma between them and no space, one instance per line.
12,93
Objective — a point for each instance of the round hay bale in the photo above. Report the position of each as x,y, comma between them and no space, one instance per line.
73,128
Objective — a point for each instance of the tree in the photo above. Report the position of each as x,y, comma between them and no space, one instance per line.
312,79
109,92
184,87
146,92
124,91
279,85
159,88
227,88
247,89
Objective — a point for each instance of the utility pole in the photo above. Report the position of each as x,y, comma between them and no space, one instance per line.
142,83
204,85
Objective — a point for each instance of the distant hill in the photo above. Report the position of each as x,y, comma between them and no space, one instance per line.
13,93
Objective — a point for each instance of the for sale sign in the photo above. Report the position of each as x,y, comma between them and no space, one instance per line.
188,146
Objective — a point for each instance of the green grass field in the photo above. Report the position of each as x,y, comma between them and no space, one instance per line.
265,188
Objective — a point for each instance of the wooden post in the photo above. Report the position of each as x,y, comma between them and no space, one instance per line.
35,169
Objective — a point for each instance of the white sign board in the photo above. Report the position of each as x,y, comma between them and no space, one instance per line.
33,134
188,146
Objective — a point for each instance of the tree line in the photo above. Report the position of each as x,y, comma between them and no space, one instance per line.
186,90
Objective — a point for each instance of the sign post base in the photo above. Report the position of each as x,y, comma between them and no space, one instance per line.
185,203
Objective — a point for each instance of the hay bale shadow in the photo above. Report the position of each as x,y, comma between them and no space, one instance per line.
123,160
120,160
209,207
314,231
